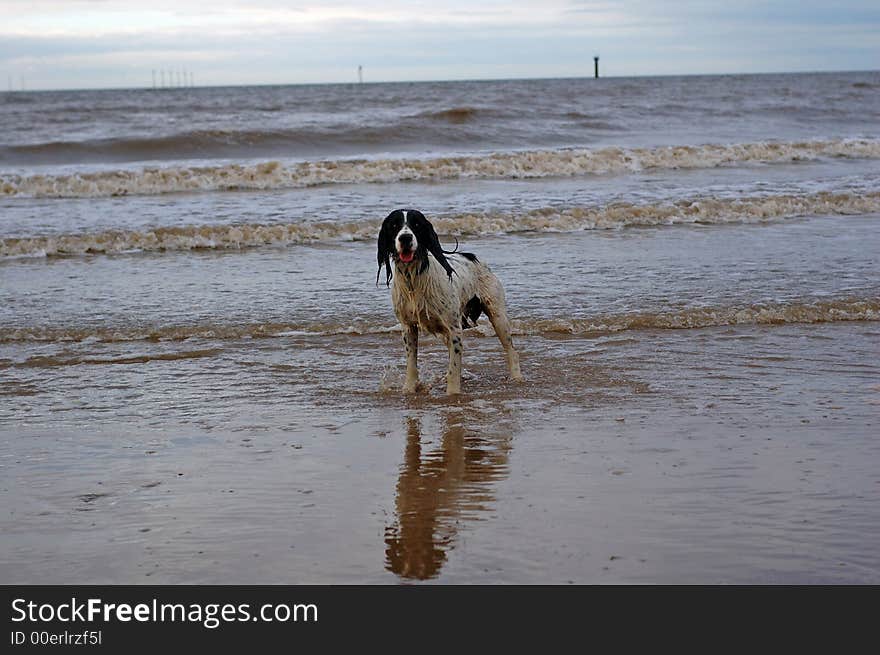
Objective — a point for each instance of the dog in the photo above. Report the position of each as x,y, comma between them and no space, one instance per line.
439,291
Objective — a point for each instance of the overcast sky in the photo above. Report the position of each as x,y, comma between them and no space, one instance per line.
119,43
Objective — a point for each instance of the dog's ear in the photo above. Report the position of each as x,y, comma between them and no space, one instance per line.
385,248
427,237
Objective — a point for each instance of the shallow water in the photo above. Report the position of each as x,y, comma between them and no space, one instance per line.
200,378
741,454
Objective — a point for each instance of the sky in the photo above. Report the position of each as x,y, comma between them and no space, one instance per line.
52,44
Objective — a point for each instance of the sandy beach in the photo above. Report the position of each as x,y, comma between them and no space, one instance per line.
616,467
200,380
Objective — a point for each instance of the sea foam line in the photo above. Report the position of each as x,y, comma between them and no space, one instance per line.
513,165
825,311
707,210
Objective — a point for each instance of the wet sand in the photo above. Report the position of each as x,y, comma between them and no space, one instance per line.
741,454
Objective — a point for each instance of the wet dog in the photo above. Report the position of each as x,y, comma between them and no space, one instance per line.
438,291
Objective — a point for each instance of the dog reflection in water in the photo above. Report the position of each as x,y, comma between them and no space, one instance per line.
438,489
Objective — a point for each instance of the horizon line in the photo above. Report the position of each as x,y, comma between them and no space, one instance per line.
150,87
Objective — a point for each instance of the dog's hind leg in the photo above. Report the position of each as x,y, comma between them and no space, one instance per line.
453,375
411,344
497,314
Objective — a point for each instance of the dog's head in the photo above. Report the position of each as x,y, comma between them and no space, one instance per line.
407,237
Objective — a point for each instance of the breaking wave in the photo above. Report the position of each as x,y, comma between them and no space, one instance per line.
763,314
531,164
707,210
827,311
158,333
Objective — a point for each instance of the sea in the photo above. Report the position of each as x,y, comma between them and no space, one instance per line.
200,378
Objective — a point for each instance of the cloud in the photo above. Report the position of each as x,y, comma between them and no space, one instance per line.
103,43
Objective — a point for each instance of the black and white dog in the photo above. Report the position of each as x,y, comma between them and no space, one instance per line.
439,291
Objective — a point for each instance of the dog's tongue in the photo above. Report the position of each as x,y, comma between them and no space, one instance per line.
407,257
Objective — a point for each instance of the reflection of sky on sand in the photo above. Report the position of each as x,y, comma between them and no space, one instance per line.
437,488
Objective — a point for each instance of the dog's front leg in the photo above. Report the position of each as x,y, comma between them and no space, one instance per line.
453,375
411,343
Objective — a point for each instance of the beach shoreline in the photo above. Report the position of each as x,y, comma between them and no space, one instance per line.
610,467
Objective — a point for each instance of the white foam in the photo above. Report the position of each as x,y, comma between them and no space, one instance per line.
822,311
709,210
529,164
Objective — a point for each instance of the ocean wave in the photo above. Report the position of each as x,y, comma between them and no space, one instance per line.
511,165
192,145
830,311
453,114
157,333
50,361
702,210
237,142
826,311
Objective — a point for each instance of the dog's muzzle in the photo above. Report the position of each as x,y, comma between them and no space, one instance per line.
405,250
